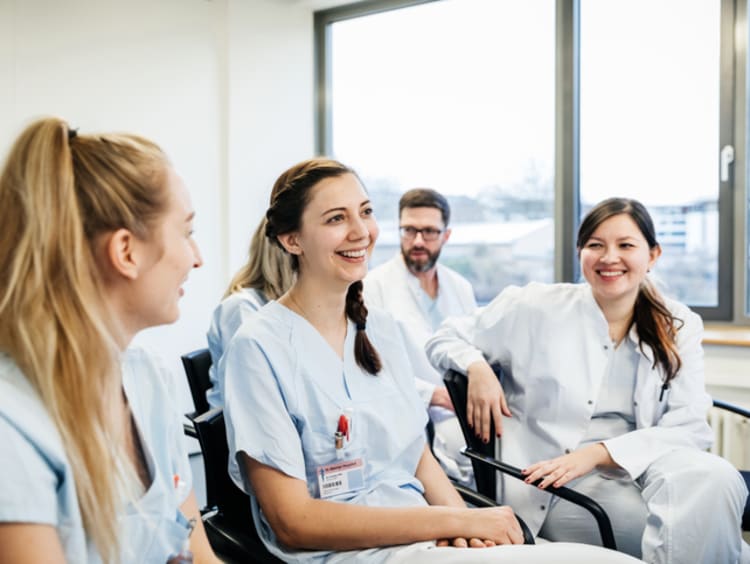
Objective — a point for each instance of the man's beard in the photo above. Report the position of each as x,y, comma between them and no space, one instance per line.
420,265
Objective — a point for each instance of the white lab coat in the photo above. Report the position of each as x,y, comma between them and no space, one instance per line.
393,288
552,343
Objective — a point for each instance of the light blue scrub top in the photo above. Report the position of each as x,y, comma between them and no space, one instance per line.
37,484
226,319
285,391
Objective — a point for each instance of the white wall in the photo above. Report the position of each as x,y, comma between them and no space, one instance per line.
224,86
270,107
727,369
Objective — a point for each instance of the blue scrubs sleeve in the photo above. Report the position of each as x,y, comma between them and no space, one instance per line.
29,484
257,413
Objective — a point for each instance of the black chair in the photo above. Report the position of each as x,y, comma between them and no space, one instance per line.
227,516
745,473
196,365
486,466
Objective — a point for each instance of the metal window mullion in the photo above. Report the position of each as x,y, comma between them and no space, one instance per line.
724,309
567,123
740,197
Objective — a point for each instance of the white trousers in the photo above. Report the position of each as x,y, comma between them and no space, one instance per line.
447,445
685,509
550,553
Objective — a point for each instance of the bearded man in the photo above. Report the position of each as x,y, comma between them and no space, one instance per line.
419,292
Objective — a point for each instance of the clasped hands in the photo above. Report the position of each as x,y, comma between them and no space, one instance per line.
491,525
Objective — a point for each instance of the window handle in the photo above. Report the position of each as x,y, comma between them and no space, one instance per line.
727,158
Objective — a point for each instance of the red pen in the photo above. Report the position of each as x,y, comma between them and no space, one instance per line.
343,427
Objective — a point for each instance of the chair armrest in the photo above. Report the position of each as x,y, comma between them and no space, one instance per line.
189,430
602,520
474,497
733,408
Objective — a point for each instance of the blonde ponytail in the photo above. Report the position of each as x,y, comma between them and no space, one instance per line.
57,194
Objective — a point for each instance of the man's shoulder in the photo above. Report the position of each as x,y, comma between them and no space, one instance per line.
381,272
447,273
454,274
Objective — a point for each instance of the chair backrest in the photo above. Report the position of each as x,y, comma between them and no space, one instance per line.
484,476
220,490
196,365
230,529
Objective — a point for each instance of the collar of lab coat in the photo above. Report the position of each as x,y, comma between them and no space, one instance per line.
643,349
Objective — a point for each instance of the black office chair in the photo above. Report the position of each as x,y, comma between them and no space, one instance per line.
196,365
227,516
486,466
745,473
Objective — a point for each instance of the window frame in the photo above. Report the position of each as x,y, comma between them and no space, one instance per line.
733,298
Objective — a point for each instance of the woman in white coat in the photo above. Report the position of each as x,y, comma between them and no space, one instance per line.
604,392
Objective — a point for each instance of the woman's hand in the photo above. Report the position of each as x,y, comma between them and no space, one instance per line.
561,470
461,542
441,398
485,401
488,526
496,525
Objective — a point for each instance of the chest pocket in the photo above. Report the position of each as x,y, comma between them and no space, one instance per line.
319,448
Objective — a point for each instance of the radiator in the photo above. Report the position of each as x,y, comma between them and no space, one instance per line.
731,437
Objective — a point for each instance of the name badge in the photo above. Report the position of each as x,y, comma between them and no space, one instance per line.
341,477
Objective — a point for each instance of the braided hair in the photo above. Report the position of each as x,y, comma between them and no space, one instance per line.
289,197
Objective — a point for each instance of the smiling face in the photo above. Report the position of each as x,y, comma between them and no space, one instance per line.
420,255
172,253
615,260
338,231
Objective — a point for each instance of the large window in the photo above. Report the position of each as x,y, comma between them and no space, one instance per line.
650,116
526,113
429,96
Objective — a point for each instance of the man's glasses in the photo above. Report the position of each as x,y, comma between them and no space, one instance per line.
428,233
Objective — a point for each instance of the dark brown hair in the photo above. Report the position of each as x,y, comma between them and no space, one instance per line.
289,198
655,324
425,198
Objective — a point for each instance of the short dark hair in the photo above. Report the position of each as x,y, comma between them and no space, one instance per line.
425,198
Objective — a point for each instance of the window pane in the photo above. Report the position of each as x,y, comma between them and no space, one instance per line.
650,127
456,95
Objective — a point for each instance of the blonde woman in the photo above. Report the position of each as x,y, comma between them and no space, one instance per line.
97,242
266,276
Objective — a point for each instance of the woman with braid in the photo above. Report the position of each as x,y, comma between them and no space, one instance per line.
604,392
325,428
